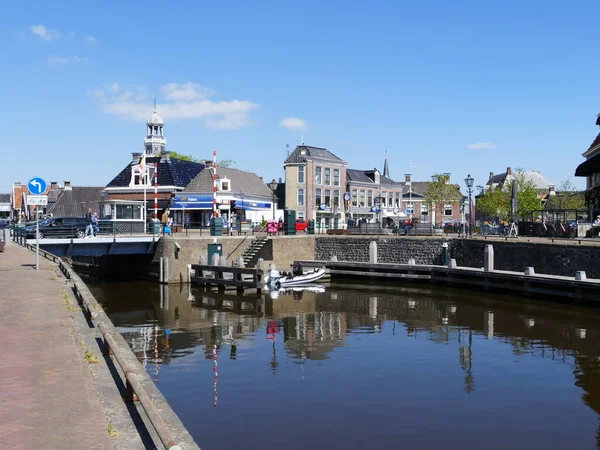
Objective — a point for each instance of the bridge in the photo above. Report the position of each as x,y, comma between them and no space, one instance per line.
98,246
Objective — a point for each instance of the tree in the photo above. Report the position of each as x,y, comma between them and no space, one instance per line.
222,163
528,196
567,197
440,191
495,203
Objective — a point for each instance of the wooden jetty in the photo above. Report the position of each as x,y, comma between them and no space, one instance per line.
224,277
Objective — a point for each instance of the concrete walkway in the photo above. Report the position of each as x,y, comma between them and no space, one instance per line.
47,395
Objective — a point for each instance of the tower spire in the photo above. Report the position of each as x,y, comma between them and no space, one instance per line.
154,104
386,170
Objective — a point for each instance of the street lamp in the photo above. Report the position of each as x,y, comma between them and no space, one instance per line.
273,186
469,182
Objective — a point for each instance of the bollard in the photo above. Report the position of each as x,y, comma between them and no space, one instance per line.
202,260
488,258
411,261
215,260
580,275
452,264
373,252
259,263
166,273
161,270
529,271
333,258
223,261
240,262
445,255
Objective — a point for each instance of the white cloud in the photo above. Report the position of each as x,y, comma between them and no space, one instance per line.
90,39
44,33
186,101
481,146
66,59
293,124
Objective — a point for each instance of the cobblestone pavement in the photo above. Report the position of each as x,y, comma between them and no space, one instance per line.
47,396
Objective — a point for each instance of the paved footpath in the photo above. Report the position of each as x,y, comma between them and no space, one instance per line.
47,395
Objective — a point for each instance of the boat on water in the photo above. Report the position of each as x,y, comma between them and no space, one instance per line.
298,277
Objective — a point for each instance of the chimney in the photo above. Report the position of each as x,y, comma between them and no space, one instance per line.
165,156
68,186
491,175
280,180
53,185
136,157
508,171
551,189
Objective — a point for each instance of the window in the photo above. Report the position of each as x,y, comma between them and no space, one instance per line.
362,198
129,212
328,197
300,174
300,197
318,175
336,177
424,209
383,199
318,197
225,184
369,198
354,197
391,199
328,176
447,210
336,198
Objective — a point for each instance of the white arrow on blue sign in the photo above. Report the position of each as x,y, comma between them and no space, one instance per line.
37,186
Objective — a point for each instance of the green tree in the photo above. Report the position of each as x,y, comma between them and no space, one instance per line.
222,163
528,196
567,197
495,203
439,192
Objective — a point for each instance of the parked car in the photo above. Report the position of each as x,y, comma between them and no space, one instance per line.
301,225
59,227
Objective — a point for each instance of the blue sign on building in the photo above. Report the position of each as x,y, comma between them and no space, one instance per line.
37,186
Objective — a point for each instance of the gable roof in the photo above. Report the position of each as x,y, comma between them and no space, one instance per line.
76,201
316,153
171,172
595,144
241,182
368,176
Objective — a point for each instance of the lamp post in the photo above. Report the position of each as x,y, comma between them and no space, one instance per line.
469,182
273,186
242,210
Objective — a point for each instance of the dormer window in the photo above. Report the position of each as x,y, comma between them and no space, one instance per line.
225,184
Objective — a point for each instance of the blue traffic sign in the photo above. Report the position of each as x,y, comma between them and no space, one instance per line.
37,186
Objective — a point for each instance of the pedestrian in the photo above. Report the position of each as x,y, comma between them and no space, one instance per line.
89,229
95,228
165,220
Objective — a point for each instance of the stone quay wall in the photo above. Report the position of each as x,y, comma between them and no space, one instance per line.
548,258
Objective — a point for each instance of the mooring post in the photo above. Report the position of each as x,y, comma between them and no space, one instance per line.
445,253
160,270
202,260
452,264
333,258
240,262
488,258
373,252
223,261
580,275
166,274
411,261
215,259
529,271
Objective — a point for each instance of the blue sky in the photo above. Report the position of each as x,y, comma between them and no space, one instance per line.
420,80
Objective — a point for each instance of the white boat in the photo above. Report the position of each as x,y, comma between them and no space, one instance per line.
278,280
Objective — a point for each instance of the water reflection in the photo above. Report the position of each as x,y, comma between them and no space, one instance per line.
416,348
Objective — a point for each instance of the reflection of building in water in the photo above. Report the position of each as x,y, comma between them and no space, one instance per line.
312,336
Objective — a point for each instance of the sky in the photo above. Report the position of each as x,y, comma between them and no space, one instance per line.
465,87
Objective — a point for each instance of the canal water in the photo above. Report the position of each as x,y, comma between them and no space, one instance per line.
367,367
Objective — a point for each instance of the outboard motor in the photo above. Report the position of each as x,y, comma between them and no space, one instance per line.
274,283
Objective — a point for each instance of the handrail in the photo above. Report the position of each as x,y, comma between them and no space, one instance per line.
238,246
138,381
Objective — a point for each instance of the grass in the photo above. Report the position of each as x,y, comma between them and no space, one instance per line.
90,358
112,432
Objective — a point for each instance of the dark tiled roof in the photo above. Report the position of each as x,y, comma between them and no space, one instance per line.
497,179
321,154
358,176
4,198
418,188
75,201
368,176
596,141
241,181
171,172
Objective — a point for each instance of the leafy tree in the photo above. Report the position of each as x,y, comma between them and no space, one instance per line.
495,203
528,196
567,197
222,163
440,191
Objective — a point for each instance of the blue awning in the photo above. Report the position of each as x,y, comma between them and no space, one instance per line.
206,202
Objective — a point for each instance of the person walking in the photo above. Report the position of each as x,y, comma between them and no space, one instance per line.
164,220
95,228
89,229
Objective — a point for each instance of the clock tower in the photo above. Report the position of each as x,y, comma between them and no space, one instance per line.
155,142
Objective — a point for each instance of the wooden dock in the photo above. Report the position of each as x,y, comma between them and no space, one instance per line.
224,277
557,287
